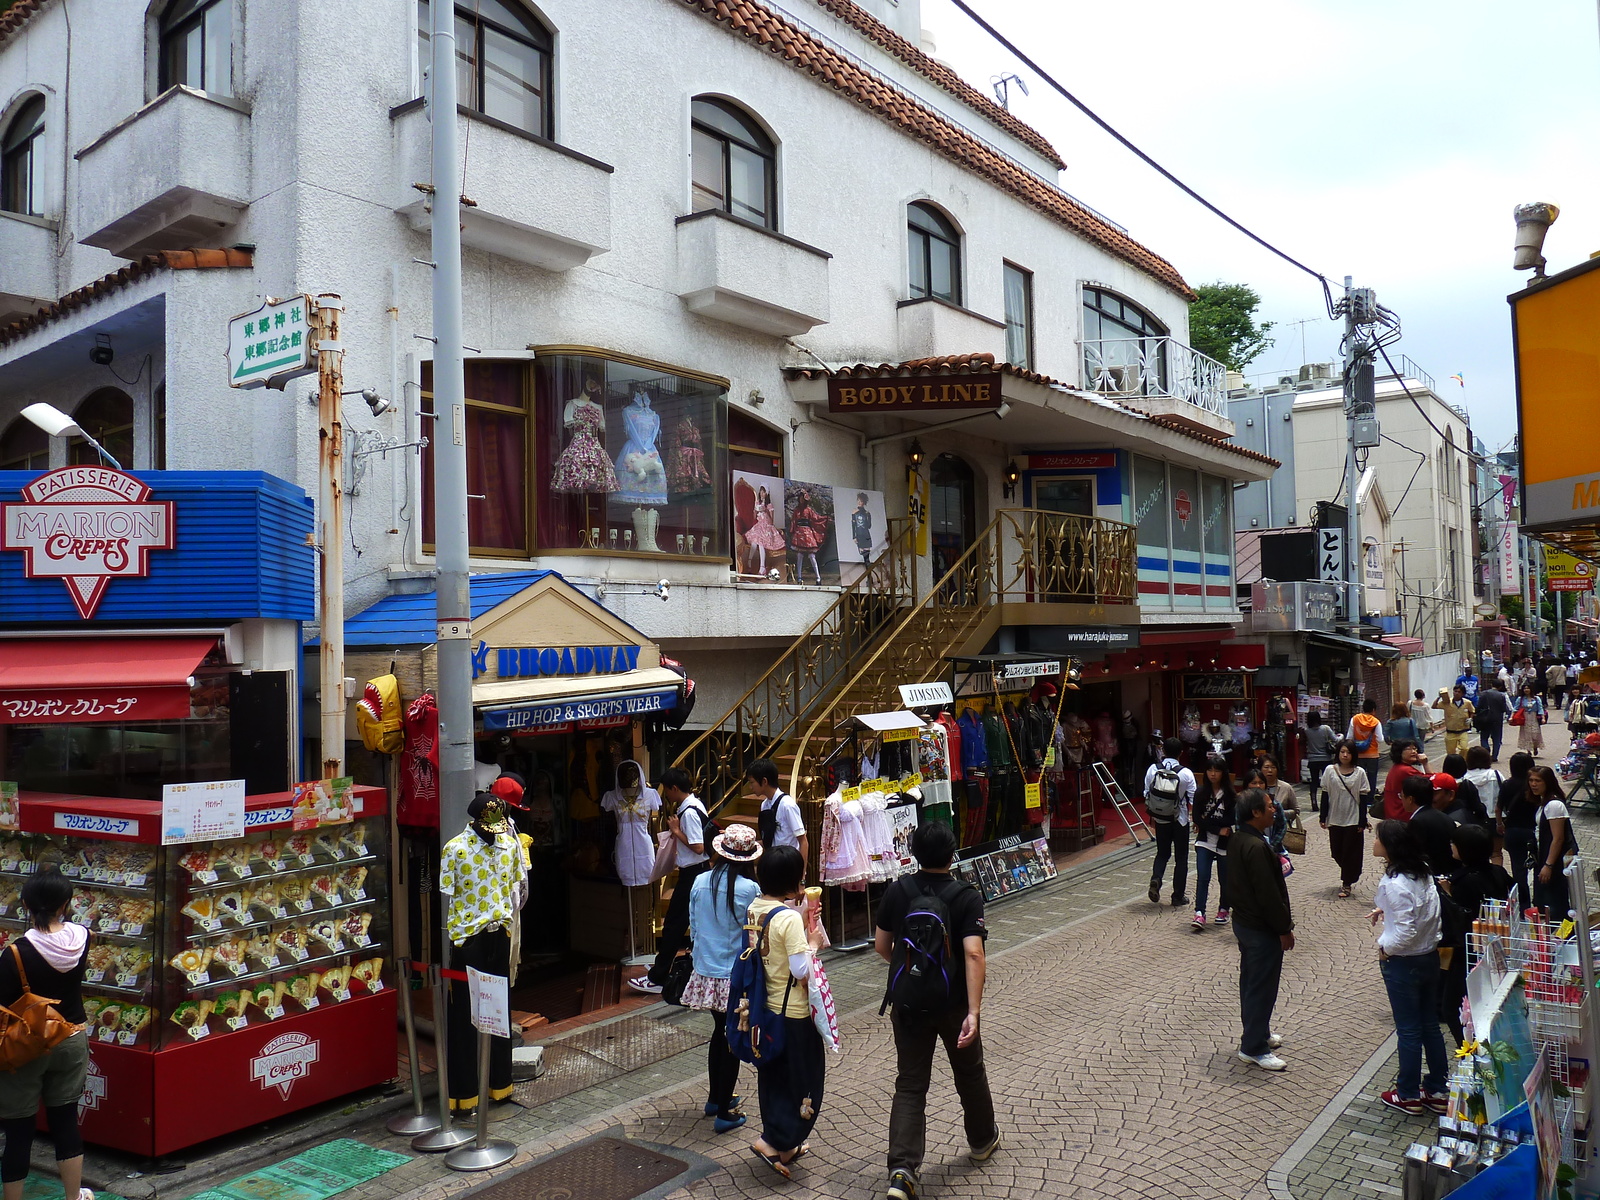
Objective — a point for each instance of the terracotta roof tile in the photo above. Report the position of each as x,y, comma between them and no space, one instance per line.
15,17
767,28
859,18
164,260
972,364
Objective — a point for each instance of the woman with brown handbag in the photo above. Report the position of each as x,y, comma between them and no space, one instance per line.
50,958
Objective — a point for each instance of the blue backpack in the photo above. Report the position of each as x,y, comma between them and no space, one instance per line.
755,1032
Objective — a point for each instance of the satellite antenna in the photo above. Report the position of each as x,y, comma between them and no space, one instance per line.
1002,88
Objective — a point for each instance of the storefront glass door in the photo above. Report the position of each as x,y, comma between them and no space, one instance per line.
1072,494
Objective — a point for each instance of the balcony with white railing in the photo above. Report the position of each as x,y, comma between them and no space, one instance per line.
1161,377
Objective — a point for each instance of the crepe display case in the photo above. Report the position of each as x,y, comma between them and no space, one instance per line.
230,982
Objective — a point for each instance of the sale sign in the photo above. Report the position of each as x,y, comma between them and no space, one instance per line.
86,526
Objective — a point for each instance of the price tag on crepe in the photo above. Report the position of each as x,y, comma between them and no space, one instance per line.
209,924
133,930
238,1022
1031,796
207,876
110,925
313,1002
125,979
375,985
108,1035
341,993
199,1031
362,941
199,978
238,968
273,1012
70,870
277,865
279,912
303,905
359,894
137,880
127,1037
94,976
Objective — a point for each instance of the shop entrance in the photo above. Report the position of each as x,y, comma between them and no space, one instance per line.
1070,494
952,511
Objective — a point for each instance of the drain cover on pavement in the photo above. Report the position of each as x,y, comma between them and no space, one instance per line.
604,1169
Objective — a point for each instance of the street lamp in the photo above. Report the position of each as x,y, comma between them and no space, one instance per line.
57,424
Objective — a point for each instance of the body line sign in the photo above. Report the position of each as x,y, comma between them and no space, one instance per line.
535,716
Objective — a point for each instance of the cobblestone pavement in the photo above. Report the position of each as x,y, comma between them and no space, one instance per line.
1111,1031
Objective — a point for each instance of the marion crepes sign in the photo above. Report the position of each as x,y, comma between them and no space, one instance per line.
87,526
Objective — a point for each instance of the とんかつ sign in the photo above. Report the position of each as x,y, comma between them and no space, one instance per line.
87,526
944,394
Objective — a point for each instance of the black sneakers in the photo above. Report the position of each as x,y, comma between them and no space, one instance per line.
1155,891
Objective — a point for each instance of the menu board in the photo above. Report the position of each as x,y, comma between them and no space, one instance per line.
202,812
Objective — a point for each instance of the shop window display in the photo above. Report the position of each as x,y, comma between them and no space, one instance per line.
628,456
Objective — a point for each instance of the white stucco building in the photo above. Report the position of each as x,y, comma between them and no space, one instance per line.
723,214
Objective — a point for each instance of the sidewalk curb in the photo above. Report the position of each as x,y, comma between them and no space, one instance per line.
1278,1174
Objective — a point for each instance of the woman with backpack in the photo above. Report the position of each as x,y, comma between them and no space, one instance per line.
1401,725
718,902
1213,818
790,1088
1555,844
1518,818
1407,902
1346,792
1530,731
47,960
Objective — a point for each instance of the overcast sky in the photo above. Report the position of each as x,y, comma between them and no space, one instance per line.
1384,139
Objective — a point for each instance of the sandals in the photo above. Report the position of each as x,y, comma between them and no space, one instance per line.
773,1161
1344,892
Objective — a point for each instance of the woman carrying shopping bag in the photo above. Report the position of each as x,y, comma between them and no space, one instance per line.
1528,715
1346,793
790,1089
718,903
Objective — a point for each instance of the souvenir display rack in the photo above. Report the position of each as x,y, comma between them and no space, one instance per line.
257,967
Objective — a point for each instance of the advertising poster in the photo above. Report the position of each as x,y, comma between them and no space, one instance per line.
759,542
809,520
1539,1088
202,812
322,802
903,819
863,524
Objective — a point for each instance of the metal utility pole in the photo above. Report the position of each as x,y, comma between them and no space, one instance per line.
1352,479
330,502
450,441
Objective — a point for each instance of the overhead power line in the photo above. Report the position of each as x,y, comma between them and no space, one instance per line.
1327,290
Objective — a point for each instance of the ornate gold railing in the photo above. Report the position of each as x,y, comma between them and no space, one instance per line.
805,674
1023,556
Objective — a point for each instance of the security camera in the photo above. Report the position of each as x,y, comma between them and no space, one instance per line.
661,588
378,404
1005,407
1533,222
101,352
774,575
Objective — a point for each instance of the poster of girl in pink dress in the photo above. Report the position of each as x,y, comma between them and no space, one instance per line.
759,543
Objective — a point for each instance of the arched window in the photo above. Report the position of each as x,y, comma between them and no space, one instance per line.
1124,347
24,447
19,160
107,417
197,46
735,163
503,62
935,254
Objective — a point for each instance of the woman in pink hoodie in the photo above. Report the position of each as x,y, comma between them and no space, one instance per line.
52,954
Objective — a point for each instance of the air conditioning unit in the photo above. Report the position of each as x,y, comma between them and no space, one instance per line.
1312,371
1286,380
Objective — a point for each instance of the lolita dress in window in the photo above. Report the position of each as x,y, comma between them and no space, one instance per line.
583,465
642,479
688,471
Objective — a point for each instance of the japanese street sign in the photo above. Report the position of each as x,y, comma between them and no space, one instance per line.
1330,554
271,344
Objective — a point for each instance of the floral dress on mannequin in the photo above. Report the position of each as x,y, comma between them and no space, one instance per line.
583,465
688,471
642,479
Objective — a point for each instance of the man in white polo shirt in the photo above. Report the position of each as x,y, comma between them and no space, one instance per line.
779,823
687,825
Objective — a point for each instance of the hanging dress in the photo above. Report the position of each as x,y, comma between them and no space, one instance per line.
636,849
641,477
688,470
583,465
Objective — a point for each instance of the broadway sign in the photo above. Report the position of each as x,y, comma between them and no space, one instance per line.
86,526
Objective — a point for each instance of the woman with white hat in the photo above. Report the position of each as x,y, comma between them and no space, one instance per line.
719,903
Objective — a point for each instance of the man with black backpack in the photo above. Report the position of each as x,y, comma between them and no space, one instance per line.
931,932
1168,793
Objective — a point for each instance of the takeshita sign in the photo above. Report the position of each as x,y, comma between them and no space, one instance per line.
87,526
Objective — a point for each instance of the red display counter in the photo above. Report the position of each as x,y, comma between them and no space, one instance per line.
228,982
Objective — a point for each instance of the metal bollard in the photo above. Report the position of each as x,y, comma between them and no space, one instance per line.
419,1120
485,1153
446,1135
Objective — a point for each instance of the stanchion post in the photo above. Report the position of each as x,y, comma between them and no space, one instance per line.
485,1153
448,1135
419,1121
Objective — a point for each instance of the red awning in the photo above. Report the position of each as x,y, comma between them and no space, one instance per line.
70,680
1404,644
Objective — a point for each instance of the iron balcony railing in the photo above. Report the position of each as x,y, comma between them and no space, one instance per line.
1158,367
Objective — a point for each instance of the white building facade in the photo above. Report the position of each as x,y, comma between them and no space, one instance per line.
724,214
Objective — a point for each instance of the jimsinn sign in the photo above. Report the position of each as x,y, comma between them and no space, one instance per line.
87,526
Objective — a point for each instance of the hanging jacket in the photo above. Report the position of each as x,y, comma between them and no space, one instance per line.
997,740
952,736
974,748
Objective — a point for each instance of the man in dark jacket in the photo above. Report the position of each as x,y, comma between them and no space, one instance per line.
1257,895
1490,718
1421,800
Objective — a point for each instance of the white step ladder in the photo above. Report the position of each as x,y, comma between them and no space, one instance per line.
1125,809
